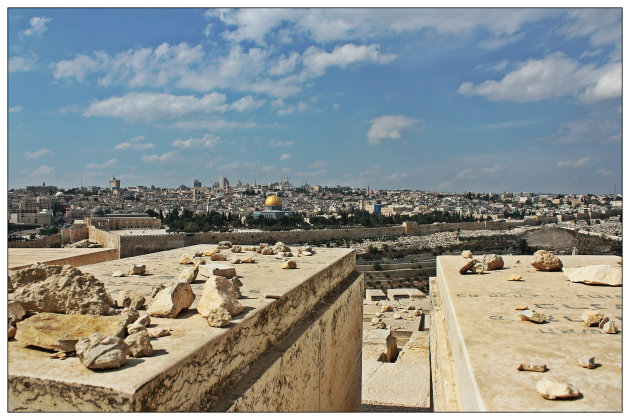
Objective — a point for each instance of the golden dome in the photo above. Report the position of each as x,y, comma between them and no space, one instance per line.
273,200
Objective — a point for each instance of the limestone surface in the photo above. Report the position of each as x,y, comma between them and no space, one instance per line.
160,332
223,270
69,292
102,352
170,301
219,292
551,390
545,261
60,332
139,344
601,274
218,317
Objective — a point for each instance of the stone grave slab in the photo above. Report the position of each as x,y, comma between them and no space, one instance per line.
488,340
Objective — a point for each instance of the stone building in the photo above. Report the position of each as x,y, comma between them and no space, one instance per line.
273,209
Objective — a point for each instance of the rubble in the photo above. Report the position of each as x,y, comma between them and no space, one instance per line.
236,249
281,247
218,317
587,362
532,316
218,257
171,300
289,264
466,267
161,332
69,292
514,277
225,244
219,292
595,274
102,352
188,275
137,270
186,259
248,260
17,309
34,274
139,344
492,262
467,253
556,390
118,274
592,317
126,299
532,367
610,328
545,261
223,270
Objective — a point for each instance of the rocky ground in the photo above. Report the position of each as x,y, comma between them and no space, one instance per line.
447,240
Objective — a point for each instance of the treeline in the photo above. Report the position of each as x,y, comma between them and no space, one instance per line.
215,221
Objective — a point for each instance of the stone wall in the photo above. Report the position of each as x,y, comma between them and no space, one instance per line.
69,235
133,245
78,260
106,239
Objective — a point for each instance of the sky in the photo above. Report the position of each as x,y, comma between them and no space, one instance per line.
447,99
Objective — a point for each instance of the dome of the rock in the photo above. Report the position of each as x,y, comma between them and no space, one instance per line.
273,201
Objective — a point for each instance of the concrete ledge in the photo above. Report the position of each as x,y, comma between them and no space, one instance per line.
488,340
20,258
193,368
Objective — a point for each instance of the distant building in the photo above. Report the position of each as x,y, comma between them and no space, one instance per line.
224,184
273,209
114,184
197,183
43,189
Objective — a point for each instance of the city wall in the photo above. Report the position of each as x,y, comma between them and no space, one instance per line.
65,236
144,244
106,239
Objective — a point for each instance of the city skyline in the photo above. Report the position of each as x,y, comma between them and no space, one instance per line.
450,100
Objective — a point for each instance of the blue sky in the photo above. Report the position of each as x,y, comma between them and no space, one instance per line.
455,100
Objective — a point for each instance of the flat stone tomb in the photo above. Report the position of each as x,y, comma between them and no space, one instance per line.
144,384
25,257
404,293
489,341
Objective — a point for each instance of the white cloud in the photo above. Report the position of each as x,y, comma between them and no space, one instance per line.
207,141
465,173
579,163
165,157
603,172
246,103
137,138
43,170
285,64
37,154
331,24
37,26
79,66
316,61
149,106
391,127
292,109
318,164
109,164
594,128
285,156
278,143
22,63
134,146
493,170
210,125
16,108
553,76
601,26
